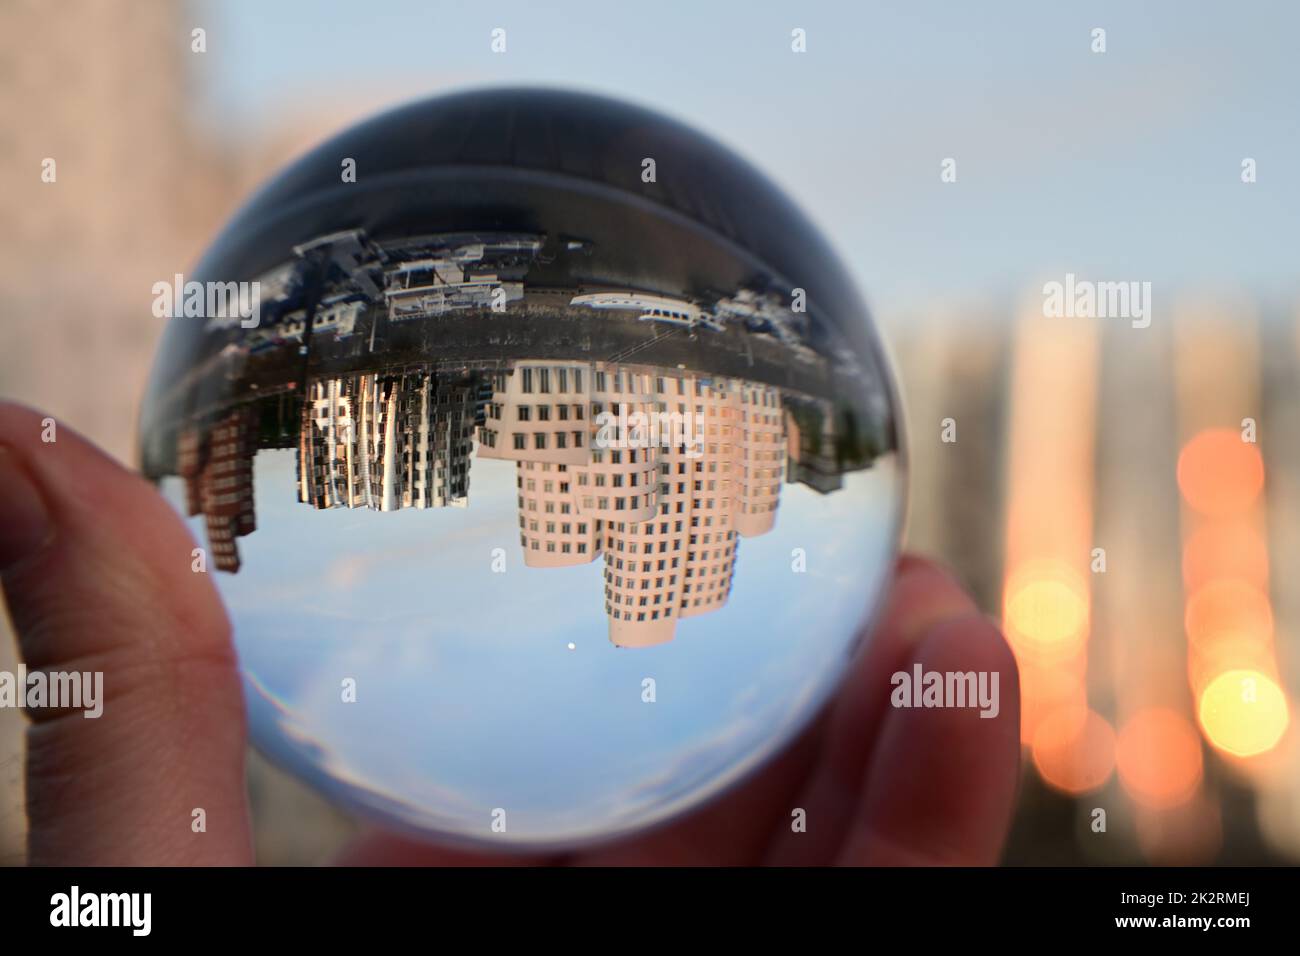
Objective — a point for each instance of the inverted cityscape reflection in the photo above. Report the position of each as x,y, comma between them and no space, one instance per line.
528,537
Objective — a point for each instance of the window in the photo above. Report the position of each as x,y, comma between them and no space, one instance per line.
539,440
528,380
519,440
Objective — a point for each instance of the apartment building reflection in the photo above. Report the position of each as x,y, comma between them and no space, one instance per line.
386,442
659,471
665,503
217,469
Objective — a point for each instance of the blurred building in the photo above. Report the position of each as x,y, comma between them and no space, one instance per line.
110,187
1116,492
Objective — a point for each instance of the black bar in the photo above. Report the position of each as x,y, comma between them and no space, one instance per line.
481,907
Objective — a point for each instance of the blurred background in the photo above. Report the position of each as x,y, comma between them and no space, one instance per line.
1126,500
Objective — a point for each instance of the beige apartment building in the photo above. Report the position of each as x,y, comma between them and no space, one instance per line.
664,507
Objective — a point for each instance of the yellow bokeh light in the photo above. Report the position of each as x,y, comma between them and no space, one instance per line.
1243,712
1047,611
1225,651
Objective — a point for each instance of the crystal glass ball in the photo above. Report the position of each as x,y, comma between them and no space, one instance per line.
544,456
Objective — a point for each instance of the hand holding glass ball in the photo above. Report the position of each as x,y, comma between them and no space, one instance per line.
548,502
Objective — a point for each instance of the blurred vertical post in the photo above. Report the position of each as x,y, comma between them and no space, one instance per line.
1231,669
1047,589
1137,650
952,366
1279,781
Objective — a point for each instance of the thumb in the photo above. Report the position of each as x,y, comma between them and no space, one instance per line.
96,572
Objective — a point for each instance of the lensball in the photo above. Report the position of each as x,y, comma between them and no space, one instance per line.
545,458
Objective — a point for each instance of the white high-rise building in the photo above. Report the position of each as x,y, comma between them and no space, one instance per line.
386,442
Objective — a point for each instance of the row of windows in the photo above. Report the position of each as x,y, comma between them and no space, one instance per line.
565,527
647,547
618,582
653,615
620,456
579,547
640,615
647,567
463,448
548,487
541,440
621,503
230,481
600,478
643,601
524,413
704,570
548,507
716,585
540,379
647,528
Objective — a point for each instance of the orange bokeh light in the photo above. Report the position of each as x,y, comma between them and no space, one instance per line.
1224,549
1228,606
1227,651
1158,755
1219,474
1074,749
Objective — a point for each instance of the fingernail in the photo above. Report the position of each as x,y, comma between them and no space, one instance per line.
25,525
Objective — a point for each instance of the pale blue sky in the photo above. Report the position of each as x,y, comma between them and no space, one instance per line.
467,695
1122,165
